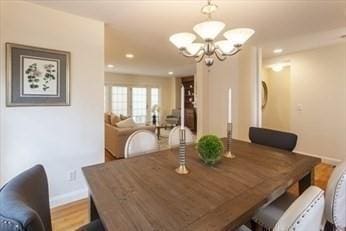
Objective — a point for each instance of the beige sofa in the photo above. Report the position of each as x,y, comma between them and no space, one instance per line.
115,137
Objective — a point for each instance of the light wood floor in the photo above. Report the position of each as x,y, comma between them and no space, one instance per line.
72,216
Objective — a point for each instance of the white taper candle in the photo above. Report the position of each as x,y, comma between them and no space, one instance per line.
182,113
230,105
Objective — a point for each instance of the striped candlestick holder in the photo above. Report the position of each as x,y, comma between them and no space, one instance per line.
228,153
182,169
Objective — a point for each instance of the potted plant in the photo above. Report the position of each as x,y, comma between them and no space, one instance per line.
210,149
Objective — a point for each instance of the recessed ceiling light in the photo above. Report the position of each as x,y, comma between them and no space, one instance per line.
110,66
129,56
277,51
170,73
277,67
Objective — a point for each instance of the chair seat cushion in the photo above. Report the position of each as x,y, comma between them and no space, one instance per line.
127,123
268,216
95,225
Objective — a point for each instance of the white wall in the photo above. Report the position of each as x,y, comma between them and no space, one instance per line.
165,84
63,139
318,85
239,73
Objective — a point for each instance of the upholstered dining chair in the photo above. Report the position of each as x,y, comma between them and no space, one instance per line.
24,203
335,209
304,214
174,137
141,142
276,139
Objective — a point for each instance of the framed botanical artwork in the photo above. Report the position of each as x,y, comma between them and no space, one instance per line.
37,76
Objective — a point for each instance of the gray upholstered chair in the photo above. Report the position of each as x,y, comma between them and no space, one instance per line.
335,210
276,139
304,214
141,142
174,118
24,203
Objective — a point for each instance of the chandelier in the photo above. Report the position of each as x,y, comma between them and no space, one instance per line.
208,31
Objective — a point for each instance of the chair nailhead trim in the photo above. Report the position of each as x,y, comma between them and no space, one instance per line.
337,191
10,223
307,211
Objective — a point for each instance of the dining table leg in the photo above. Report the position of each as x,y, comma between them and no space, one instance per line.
306,181
92,210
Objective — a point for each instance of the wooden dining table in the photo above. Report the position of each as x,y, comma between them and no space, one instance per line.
145,192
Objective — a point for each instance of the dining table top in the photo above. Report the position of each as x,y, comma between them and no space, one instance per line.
145,192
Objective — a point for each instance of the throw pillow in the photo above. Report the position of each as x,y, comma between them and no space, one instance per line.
127,123
122,117
107,118
115,119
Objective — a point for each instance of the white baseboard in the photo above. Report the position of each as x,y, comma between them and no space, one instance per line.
325,159
68,197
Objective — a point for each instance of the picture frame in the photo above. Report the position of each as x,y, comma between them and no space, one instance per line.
37,76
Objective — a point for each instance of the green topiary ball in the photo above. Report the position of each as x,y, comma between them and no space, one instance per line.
210,149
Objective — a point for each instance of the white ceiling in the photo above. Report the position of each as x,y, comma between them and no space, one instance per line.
143,27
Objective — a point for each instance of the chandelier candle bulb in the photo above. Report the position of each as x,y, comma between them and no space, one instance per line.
182,114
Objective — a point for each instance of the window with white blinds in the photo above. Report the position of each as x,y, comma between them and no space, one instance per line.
139,104
119,100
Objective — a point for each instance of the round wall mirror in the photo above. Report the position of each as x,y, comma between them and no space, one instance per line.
264,94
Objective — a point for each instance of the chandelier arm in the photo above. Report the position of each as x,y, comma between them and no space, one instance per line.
200,58
219,55
232,53
187,54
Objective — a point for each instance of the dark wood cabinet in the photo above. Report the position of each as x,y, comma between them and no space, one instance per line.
190,111
190,118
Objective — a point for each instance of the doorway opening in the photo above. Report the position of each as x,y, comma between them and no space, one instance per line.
276,97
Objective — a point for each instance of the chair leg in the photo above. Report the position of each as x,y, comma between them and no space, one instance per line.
329,227
253,226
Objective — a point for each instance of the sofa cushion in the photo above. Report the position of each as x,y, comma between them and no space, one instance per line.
127,123
115,119
107,118
122,117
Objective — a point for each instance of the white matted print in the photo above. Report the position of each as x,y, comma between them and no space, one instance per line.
40,76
